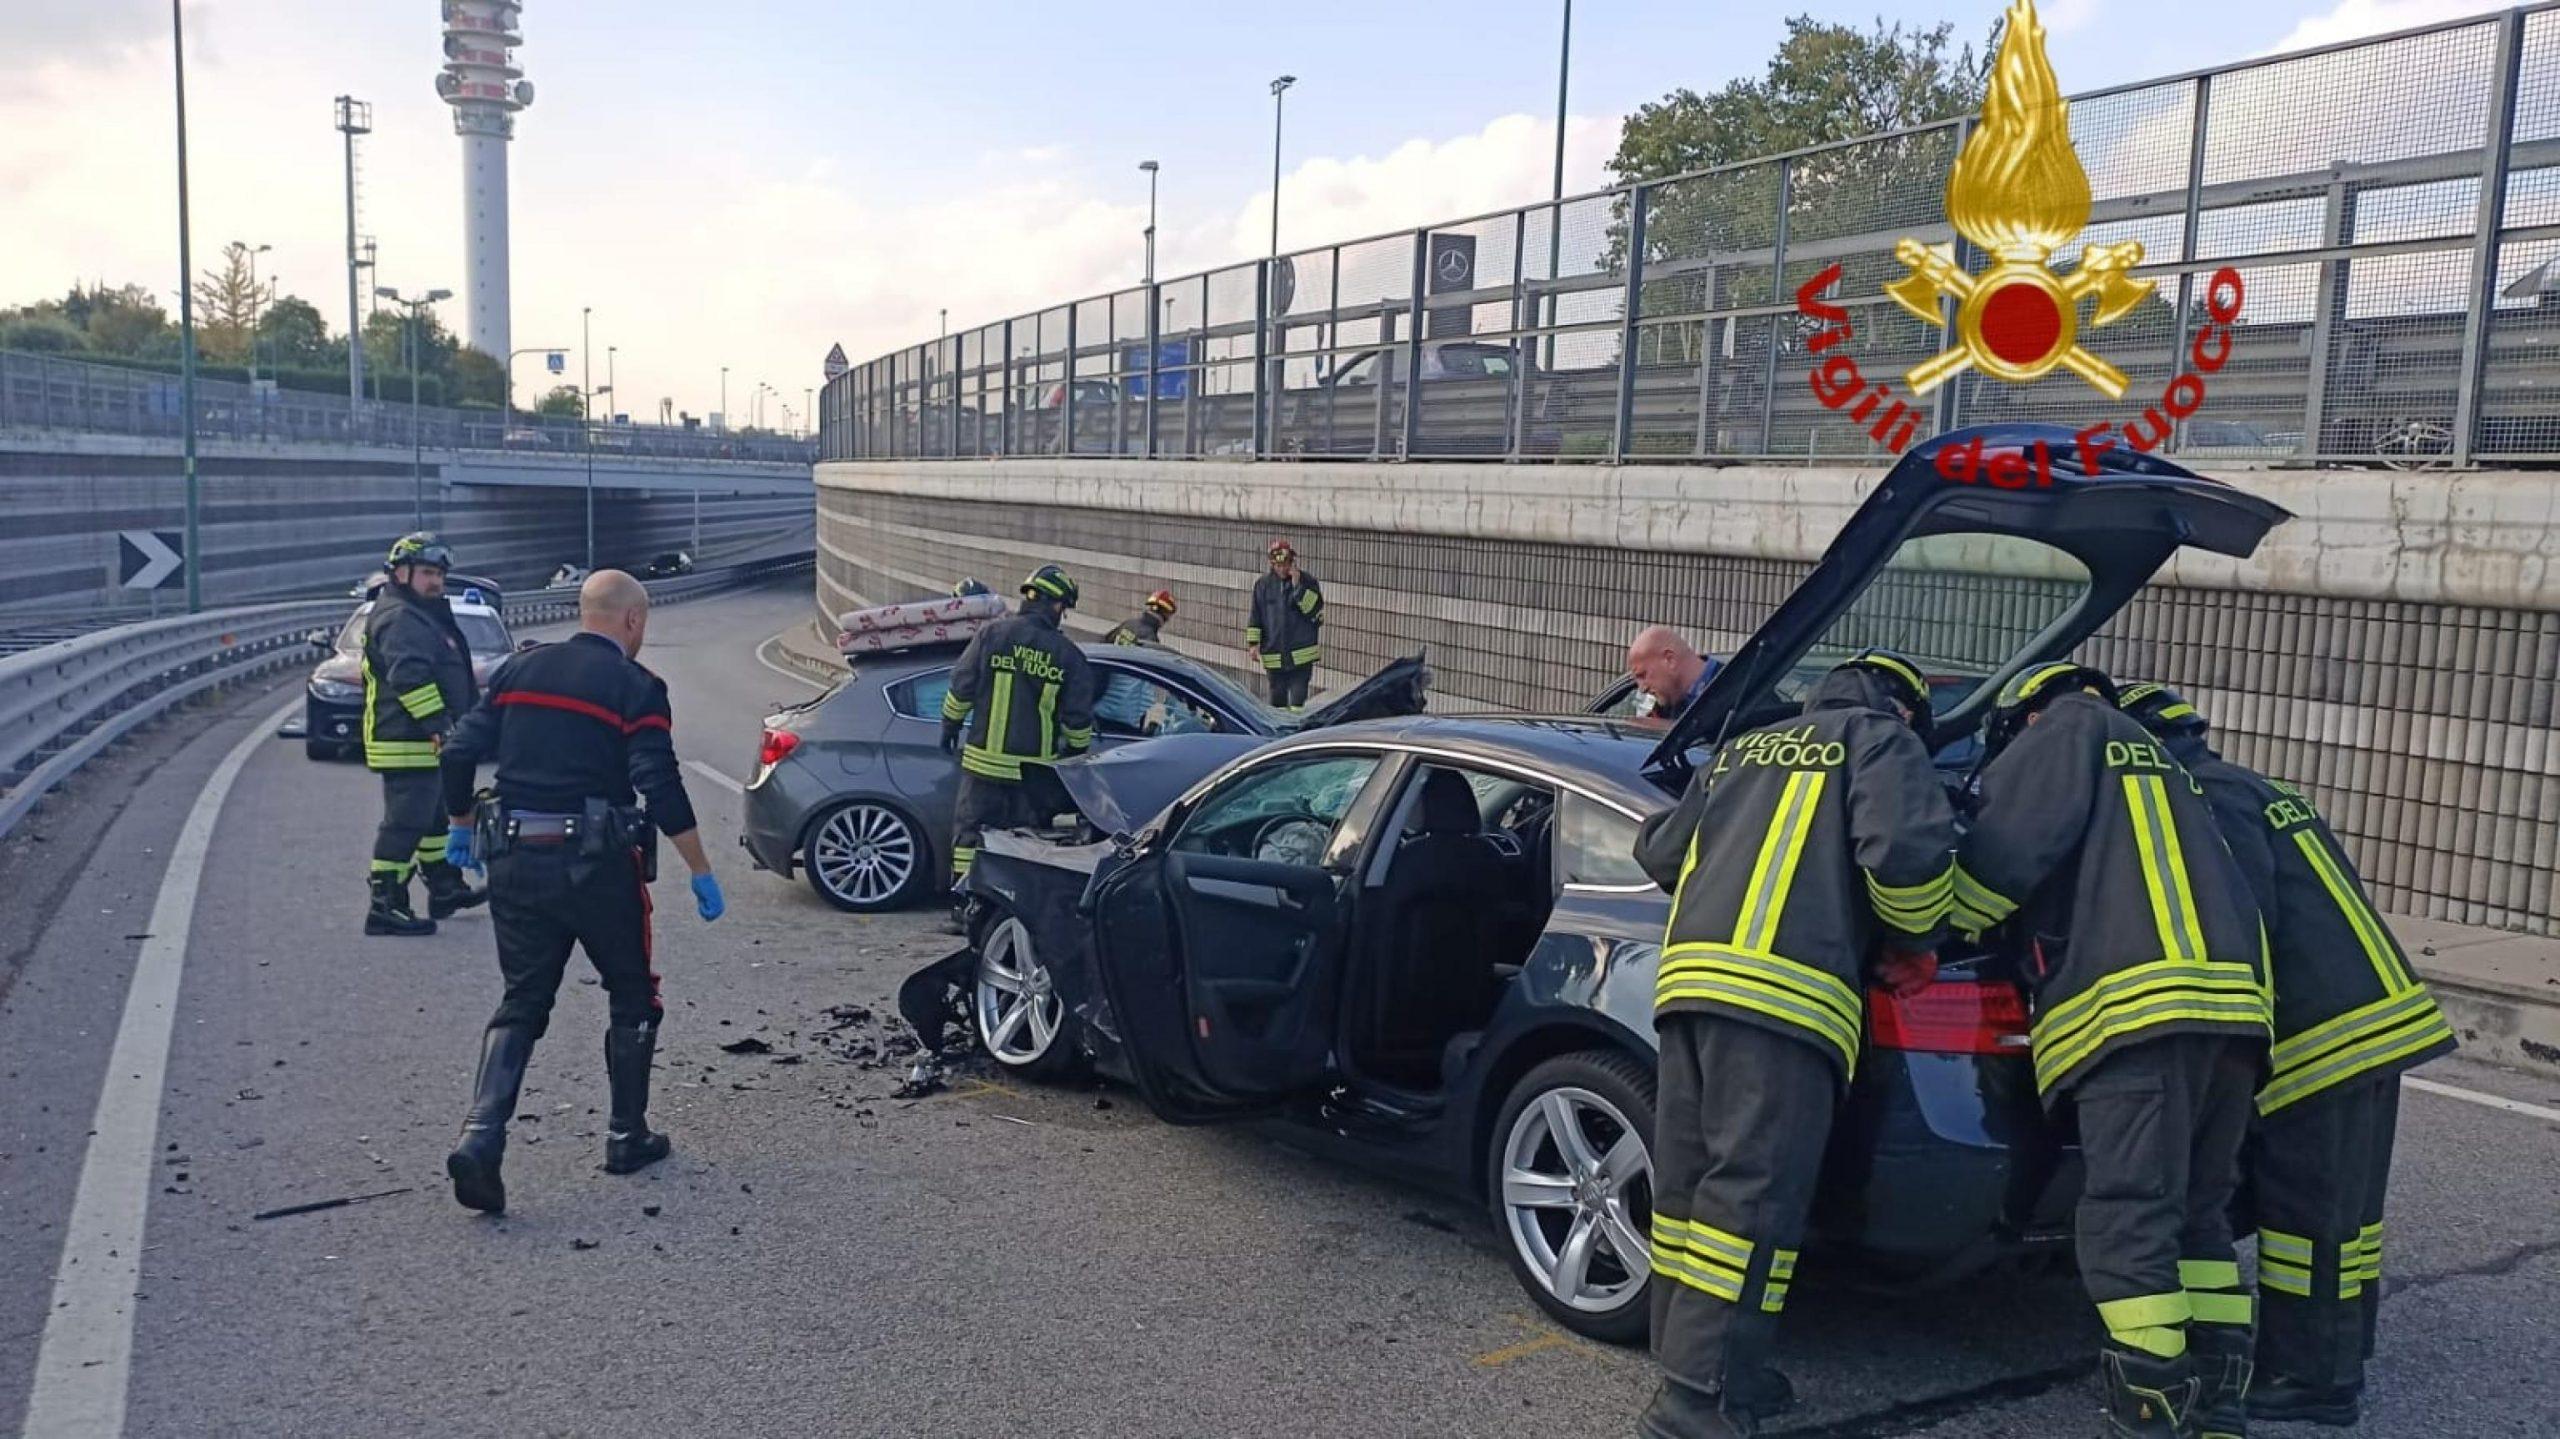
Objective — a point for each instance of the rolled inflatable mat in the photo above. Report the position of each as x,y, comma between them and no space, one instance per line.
912,614
914,636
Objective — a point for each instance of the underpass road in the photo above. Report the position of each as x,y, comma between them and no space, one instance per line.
822,1259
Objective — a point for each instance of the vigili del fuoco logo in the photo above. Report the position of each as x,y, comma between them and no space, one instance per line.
2018,194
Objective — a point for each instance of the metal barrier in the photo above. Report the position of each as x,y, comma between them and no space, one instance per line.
43,392
63,704
2393,207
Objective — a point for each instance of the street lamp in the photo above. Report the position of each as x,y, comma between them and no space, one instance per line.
253,306
508,423
1279,87
608,373
186,318
1150,167
417,441
724,398
587,420
1555,216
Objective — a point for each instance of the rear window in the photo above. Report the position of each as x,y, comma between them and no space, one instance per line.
485,633
1960,606
919,696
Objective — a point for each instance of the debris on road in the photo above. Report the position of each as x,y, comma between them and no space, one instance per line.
926,1078
651,1210
583,1243
341,1202
748,1045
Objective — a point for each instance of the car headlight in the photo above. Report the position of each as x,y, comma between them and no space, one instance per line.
336,692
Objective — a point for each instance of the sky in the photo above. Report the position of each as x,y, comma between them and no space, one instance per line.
744,184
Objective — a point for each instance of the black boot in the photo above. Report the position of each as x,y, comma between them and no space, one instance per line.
2222,1360
447,891
2145,1396
474,1162
389,913
2280,1400
628,1142
1680,1412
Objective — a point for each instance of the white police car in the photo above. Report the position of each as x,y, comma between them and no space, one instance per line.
333,701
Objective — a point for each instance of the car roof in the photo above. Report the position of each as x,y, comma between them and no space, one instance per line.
1604,756
898,664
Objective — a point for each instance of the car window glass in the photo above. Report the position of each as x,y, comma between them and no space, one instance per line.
1363,372
919,696
1494,363
484,633
1283,813
351,638
1595,845
1131,707
1961,606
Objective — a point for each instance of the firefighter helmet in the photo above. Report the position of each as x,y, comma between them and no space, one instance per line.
2031,689
2162,710
1161,602
1051,583
970,587
1280,547
1909,685
419,547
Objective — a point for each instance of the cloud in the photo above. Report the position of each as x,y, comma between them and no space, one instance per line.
81,30
2356,19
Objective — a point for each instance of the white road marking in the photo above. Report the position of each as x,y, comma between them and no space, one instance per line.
2489,1101
86,1357
715,776
786,673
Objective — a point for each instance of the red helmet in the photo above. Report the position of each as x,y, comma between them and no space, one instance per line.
1280,546
1161,602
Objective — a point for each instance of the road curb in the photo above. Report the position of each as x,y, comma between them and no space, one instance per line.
2497,1026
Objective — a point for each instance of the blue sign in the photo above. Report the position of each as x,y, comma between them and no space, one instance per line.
557,362
1172,381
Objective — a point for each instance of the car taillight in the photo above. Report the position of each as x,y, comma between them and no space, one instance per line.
778,744
1951,1017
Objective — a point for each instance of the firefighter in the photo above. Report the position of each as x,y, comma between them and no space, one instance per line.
1284,626
576,729
2140,944
2350,1017
1809,844
1148,623
1021,698
417,682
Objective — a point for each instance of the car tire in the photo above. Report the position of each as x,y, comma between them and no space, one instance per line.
867,856
1591,1191
1022,1022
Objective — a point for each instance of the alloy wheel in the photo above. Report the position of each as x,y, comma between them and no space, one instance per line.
865,854
1019,1012
1577,1198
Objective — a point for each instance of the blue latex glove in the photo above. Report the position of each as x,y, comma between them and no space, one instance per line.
457,847
706,897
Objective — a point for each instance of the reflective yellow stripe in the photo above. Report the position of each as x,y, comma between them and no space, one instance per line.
2161,992
1309,601
2291,1248
1253,634
1300,659
2198,1274
1763,984
1721,1245
962,856
989,764
1977,905
2151,1322
2164,868
954,707
2411,1035
2369,1243
2223,1308
423,701
1913,909
1049,735
1076,738
1773,1297
2284,1279
1000,717
1764,899
399,867
431,849
2057,1064
2379,950
1271,659
1700,1256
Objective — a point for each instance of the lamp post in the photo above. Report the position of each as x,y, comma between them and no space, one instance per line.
1150,167
608,375
1555,216
1279,88
417,441
587,420
724,397
186,320
253,306
508,421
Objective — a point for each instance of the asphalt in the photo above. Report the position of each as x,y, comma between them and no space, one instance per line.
822,1259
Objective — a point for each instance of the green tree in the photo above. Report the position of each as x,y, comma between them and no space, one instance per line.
563,401
291,332
228,300
477,378
126,320
38,330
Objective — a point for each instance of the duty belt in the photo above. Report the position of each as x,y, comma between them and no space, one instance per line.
534,827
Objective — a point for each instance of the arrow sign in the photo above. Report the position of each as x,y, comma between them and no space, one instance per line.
837,364
149,559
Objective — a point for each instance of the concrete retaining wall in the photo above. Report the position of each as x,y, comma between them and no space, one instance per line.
2396,648
300,520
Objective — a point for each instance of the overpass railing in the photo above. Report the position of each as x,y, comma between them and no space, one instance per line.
2392,207
44,392
63,704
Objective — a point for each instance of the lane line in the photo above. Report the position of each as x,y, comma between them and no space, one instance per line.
2486,1101
86,1359
786,673
715,776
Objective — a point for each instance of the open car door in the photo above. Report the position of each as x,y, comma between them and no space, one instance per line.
1974,578
1219,946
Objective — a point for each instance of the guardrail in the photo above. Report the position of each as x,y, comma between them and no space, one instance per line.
62,705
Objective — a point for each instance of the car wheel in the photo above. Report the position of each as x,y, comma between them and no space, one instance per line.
866,856
1570,1183
1021,1020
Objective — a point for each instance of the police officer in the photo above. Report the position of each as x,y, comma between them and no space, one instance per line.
575,728
417,682
1284,626
2141,946
1148,623
2350,1017
1021,697
1808,843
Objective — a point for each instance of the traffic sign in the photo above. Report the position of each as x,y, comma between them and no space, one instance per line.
556,362
837,364
149,559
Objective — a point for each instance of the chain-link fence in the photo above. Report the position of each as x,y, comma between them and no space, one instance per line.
2393,207
43,392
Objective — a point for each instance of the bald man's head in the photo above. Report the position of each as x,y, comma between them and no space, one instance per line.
616,606
1664,665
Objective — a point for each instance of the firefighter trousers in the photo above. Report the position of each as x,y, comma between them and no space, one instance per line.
544,899
2161,1125
1743,1116
984,804
2319,1169
412,829
1289,687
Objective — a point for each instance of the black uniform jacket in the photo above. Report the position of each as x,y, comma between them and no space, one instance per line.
1141,630
1286,620
1025,692
2142,925
1804,844
570,722
417,678
2348,1005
